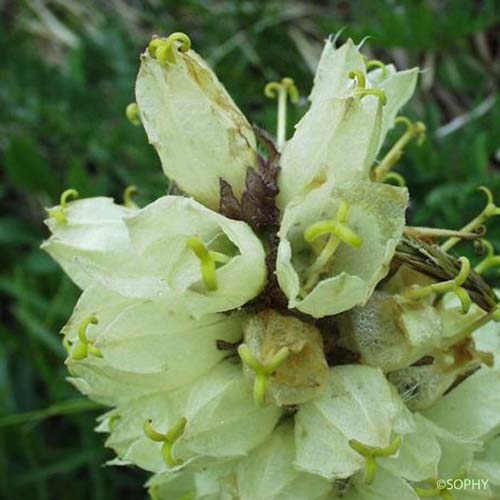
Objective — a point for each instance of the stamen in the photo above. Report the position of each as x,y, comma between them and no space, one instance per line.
207,262
165,50
168,439
154,44
454,285
113,420
491,260
439,488
413,130
375,63
282,90
59,213
370,454
339,232
127,196
153,492
489,210
263,371
467,331
360,78
66,344
132,113
82,347
399,179
380,94
434,232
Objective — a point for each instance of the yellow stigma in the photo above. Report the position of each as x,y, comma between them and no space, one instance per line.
491,260
165,49
59,213
127,196
360,78
82,347
263,371
379,94
454,285
362,91
439,487
132,113
370,454
413,130
490,210
168,439
338,232
208,261
375,63
284,89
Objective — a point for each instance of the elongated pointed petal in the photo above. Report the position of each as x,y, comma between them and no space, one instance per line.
336,140
332,74
398,87
340,136
199,133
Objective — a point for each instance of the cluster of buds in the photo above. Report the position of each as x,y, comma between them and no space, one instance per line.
277,331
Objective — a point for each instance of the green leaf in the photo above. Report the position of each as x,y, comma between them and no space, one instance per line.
27,169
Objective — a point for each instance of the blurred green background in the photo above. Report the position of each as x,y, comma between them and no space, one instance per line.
66,74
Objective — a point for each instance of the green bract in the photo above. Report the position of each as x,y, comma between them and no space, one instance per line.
276,331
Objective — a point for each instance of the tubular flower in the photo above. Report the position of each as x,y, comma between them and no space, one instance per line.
275,332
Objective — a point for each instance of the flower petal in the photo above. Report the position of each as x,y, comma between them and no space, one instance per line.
360,405
398,86
332,75
94,230
339,137
222,421
106,385
97,301
335,140
377,217
418,456
268,472
199,133
472,408
159,234
158,261
386,486
204,485
156,340
158,337
457,451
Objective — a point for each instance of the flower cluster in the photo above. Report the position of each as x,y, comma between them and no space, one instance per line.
277,331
